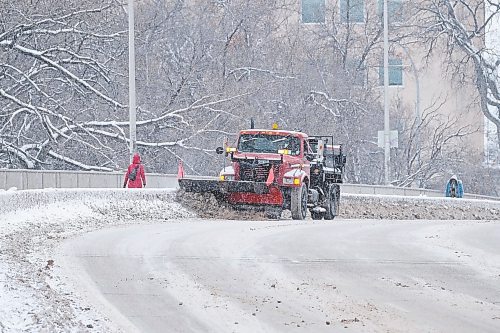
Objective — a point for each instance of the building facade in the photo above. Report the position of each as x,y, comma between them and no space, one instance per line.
424,82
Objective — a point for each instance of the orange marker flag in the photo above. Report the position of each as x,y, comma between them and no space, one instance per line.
180,171
270,177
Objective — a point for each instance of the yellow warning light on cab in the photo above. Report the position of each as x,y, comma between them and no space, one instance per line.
283,151
296,181
275,126
230,149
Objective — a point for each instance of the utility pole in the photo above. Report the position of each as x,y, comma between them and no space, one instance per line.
387,133
131,79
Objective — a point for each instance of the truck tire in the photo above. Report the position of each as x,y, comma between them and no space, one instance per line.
332,202
298,202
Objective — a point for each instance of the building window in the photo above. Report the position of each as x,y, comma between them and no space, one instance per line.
395,72
394,10
313,11
352,11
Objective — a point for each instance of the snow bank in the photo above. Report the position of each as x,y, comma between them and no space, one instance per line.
417,208
15,200
33,223
365,206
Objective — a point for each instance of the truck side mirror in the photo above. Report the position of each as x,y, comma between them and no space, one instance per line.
310,157
219,150
344,159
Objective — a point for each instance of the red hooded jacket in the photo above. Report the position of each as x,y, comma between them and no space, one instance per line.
140,179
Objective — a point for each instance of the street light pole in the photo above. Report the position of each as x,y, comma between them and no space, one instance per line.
387,133
131,78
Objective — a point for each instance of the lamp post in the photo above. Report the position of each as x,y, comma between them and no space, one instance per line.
387,149
131,78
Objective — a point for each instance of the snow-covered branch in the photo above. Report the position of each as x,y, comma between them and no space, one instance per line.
76,163
465,24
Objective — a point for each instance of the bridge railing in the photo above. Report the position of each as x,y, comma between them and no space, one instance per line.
39,179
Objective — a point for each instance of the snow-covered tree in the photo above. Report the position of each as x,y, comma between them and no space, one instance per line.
63,92
429,146
203,70
56,80
462,25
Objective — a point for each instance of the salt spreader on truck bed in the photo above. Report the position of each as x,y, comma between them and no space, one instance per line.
272,170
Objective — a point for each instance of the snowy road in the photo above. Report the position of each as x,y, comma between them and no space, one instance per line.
226,276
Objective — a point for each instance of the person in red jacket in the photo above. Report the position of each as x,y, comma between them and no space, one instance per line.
135,176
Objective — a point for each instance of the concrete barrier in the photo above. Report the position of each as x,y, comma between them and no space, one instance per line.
389,190
40,179
403,191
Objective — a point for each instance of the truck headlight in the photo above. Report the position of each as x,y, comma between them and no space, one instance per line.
226,177
291,181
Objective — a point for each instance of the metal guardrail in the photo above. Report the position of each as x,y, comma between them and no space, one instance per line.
39,179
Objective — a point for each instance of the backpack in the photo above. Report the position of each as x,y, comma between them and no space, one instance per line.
133,173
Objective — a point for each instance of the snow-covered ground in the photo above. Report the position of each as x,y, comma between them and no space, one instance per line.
35,297
32,296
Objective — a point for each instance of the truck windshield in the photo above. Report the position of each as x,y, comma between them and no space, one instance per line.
264,143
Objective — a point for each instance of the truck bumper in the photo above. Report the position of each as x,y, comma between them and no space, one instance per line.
273,197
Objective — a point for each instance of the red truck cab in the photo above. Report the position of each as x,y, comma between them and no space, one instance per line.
258,151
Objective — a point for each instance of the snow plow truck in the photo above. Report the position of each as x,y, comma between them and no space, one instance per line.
273,170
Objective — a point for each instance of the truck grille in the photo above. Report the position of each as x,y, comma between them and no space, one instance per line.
256,172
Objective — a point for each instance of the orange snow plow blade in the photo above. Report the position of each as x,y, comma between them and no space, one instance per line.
204,185
235,192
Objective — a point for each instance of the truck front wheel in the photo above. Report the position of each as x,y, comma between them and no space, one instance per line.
298,202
